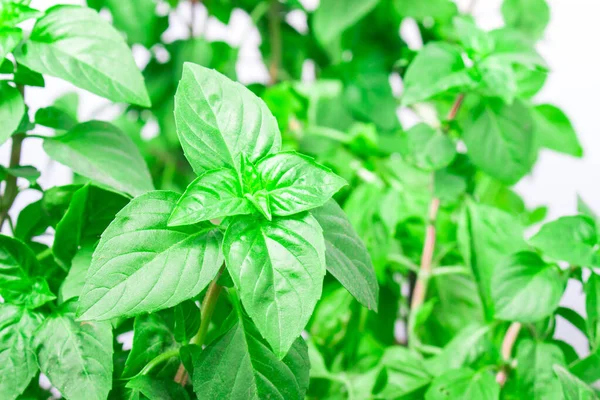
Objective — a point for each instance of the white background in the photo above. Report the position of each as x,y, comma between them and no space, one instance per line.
570,46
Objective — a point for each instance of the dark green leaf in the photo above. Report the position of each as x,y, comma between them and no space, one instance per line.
141,265
404,372
346,257
101,152
17,356
525,288
75,280
76,356
157,389
61,45
500,140
592,309
138,20
218,120
55,118
278,268
186,321
572,239
240,365
333,17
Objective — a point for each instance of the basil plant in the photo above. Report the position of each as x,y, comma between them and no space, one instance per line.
291,238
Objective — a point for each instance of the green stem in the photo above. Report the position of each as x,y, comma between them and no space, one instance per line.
159,359
44,254
275,40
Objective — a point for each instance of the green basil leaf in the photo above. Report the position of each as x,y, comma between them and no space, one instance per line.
76,357
31,174
471,37
17,356
404,371
9,39
420,10
592,310
527,16
573,388
88,215
346,256
218,120
186,320
61,45
138,20
486,236
500,140
426,148
498,79
438,68
157,389
214,194
535,377
572,239
516,47
587,369
12,110
101,152
15,12
152,336
278,267
525,288
75,280
18,281
554,130
333,17
142,265
240,365
296,183
464,384
56,118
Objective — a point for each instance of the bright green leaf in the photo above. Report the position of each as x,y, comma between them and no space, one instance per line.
218,120
12,109
101,152
573,388
333,17
500,140
426,148
76,356
9,39
404,371
141,265
535,378
572,239
15,12
296,183
157,389
61,45
75,280
525,288
527,16
554,131
278,268
138,20
346,256
592,309
464,384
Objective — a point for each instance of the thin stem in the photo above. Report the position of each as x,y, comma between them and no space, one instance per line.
507,345
206,312
159,359
192,17
420,289
11,191
275,40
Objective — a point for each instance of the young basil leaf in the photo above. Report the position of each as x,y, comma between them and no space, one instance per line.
157,389
525,288
18,281
572,387
346,256
60,45
592,309
404,372
218,120
54,117
9,39
186,320
17,356
296,183
500,140
528,16
516,47
240,365
473,39
486,236
464,384
75,280
88,215
333,17
587,369
535,377
498,79
142,265
138,20
554,131
278,267
426,148
438,68
214,194
15,12
572,239
152,336
76,357
101,152
12,110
